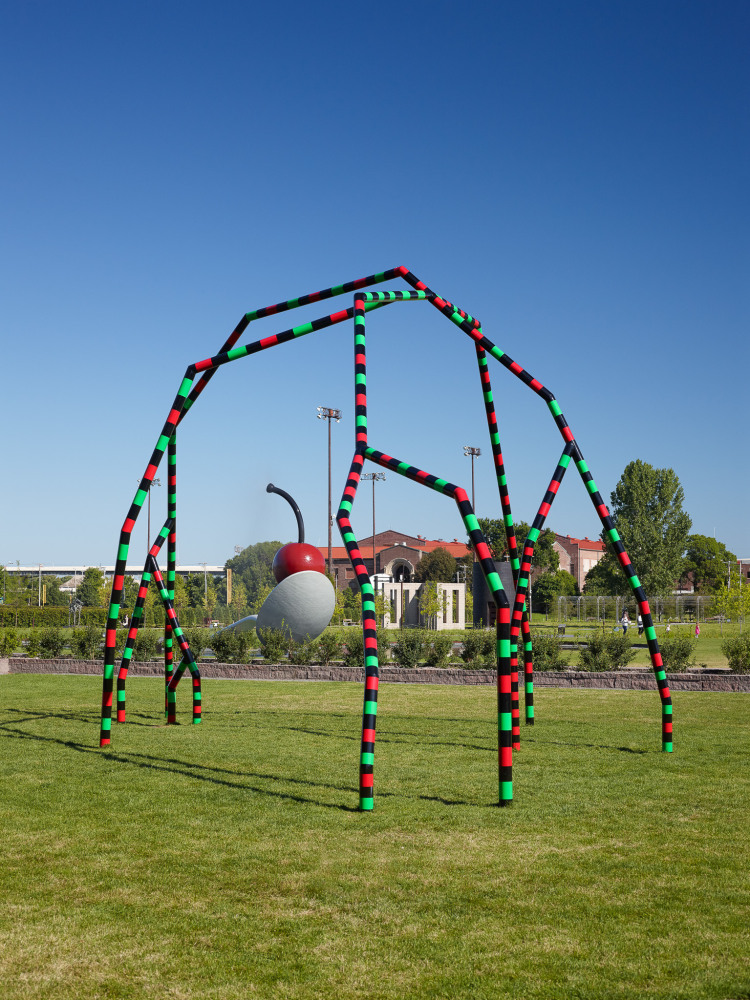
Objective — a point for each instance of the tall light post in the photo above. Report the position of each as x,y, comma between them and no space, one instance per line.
329,414
374,476
154,482
472,453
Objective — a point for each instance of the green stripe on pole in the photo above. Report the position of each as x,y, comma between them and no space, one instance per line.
651,633
564,461
582,467
667,709
371,708
554,408
367,758
497,353
506,791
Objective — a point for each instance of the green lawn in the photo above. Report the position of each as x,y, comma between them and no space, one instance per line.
228,860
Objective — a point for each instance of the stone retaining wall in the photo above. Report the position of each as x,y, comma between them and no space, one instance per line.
631,680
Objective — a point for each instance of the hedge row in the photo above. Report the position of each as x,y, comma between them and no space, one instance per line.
30,617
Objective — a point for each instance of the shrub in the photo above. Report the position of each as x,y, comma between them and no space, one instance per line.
607,651
51,642
737,651
199,640
620,650
33,643
479,648
330,645
147,644
8,642
274,643
409,648
87,642
676,650
303,652
233,646
595,656
439,652
354,651
546,651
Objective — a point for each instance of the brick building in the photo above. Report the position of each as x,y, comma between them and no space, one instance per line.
397,555
578,555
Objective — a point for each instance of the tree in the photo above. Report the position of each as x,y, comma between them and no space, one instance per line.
239,598
55,597
647,512
550,586
545,557
430,603
732,601
436,565
91,589
253,567
707,560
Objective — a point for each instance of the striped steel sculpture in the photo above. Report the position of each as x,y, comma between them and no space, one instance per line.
512,626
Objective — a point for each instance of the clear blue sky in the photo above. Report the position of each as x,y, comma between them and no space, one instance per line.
576,175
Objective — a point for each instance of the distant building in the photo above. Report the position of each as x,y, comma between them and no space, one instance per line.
578,556
396,555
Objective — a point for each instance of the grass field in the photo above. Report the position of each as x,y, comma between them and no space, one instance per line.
228,860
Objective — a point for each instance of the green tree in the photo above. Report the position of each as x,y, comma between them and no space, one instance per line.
707,560
430,603
239,599
733,601
436,565
130,591
55,597
253,567
550,586
545,557
647,512
91,589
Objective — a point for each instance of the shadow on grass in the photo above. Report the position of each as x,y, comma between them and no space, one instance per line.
211,774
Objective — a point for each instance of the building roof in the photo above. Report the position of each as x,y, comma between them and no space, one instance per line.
583,543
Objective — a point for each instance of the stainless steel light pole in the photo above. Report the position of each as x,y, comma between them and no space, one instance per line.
374,476
329,414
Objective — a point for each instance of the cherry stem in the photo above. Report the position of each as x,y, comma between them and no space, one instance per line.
300,523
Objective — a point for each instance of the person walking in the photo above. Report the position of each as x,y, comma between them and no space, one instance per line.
639,621
697,630
624,621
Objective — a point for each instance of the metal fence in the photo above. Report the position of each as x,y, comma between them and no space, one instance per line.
685,608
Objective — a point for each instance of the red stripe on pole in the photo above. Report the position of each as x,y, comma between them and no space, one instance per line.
536,386
367,780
